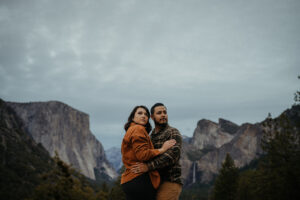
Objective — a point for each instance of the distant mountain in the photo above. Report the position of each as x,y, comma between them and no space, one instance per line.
203,156
210,143
186,139
243,149
209,134
114,156
59,127
22,160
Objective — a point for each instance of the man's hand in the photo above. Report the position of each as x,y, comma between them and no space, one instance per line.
139,168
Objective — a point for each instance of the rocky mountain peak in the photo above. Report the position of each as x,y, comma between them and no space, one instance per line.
244,146
59,127
205,124
228,126
209,134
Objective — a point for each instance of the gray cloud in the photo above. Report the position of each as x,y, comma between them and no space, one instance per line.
204,59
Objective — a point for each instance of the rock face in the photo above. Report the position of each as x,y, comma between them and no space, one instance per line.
208,134
58,127
203,156
212,141
243,149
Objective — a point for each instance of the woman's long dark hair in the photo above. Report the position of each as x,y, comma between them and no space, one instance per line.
131,116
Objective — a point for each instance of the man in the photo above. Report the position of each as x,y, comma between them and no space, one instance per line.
167,164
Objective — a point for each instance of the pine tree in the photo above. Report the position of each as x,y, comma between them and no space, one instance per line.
297,96
63,183
247,185
103,194
225,186
279,173
116,192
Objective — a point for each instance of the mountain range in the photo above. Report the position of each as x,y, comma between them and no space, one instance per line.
203,154
65,130
53,126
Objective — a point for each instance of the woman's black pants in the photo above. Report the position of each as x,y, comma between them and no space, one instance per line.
139,188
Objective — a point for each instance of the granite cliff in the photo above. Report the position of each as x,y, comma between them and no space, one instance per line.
59,127
203,154
22,160
202,157
243,148
209,134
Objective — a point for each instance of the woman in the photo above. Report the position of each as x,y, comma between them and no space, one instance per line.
137,147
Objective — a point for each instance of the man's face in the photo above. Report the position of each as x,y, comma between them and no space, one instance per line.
160,116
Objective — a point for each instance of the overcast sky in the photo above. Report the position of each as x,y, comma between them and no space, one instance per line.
232,59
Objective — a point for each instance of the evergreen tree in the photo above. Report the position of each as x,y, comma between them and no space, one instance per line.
103,194
297,96
279,173
225,186
247,185
116,192
63,183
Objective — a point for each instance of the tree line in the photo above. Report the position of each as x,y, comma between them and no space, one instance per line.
277,174
64,183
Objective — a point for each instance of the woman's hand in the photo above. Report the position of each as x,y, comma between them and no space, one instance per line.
167,145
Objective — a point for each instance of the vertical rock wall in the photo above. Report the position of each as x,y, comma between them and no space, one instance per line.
59,127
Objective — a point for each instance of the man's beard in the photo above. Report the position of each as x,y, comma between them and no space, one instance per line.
161,125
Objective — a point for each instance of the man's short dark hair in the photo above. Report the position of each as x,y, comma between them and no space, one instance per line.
156,105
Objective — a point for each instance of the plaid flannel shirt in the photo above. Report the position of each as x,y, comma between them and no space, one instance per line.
167,163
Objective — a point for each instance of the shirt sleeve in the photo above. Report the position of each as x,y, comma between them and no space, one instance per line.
170,157
141,145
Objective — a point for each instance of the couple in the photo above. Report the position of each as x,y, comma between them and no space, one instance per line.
152,164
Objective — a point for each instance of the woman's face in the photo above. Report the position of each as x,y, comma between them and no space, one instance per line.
140,116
